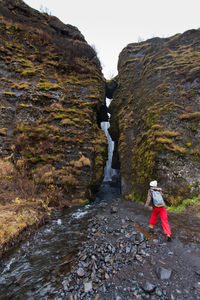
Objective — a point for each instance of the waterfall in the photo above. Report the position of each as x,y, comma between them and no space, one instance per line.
108,171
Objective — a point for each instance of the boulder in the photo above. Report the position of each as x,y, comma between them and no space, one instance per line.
163,273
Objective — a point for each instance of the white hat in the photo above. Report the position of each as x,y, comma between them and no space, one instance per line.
153,183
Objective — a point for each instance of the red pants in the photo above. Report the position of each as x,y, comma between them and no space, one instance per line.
163,216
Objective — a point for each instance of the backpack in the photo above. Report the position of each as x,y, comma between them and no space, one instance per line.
157,198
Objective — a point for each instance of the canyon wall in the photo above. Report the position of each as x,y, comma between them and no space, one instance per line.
155,116
52,88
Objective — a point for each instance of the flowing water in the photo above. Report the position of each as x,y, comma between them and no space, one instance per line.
40,264
109,172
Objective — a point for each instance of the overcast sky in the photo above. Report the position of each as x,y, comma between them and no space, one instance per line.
112,24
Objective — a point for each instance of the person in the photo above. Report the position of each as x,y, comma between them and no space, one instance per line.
155,198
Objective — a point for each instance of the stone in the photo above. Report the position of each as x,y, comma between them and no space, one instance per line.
197,286
139,258
107,276
107,258
117,297
113,210
163,273
80,272
87,286
198,272
158,292
139,237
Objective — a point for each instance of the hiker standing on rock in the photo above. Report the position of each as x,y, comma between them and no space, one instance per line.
155,197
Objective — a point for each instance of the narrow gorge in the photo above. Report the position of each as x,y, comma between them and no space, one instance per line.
77,153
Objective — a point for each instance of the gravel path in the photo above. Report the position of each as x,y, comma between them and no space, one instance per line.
122,260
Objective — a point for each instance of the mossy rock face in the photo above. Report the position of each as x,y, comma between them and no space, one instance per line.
52,88
155,116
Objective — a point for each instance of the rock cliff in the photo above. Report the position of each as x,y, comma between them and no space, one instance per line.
52,151
155,116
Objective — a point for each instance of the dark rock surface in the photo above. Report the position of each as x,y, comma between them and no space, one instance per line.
111,86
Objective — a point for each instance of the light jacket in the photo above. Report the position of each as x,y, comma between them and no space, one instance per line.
150,199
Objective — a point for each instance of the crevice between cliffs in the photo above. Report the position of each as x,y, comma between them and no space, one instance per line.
112,168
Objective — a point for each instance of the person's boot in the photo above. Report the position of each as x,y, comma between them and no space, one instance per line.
151,229
169,238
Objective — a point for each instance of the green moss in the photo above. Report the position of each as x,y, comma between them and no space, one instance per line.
188,144
9,93
41,158
187,203
21,85
135,197
61,116
48,86
71,110
3,131
28,155
26,105
28,72
84,201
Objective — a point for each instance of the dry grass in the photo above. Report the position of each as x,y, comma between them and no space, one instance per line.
190,116
82,162
16,216
18,206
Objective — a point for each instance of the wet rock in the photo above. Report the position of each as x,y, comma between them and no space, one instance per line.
163,273
139,258
107,276
80,272
107,258
158,292
87,286
198,272
117,297
139,238
83,257
128,235
197,286
113,210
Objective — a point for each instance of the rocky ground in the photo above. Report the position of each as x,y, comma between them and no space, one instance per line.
122,260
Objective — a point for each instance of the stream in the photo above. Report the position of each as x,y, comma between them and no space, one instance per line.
37,264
